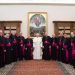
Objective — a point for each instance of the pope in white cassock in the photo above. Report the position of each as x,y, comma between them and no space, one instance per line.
37,44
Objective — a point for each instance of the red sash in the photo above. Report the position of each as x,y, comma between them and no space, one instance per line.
20,42
9,44
65,46
54,44
29,45
2,45
14,41
60,43
46,42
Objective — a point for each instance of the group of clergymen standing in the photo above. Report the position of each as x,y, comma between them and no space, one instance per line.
13,48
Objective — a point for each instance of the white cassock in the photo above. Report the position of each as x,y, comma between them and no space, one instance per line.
37,44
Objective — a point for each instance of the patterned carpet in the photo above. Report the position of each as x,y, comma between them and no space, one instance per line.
37,67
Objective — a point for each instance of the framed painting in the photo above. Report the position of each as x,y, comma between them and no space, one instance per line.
37,23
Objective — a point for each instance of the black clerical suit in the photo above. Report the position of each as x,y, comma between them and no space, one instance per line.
8,48
72,57
54,48
21,47
60,47
2,63
29,48
66,48
14,47
46,47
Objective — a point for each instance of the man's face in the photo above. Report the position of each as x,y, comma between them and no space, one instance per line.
37,35
28,36
20,34
53,35
46,33
65,35
72,34
61,34
13,33
7,35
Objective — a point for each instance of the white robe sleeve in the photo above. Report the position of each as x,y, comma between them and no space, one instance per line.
41,42
34,43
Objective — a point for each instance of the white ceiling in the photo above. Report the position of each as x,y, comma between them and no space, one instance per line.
38,1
